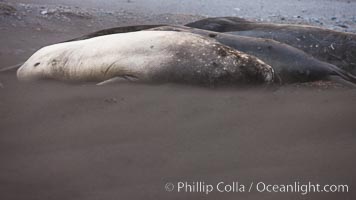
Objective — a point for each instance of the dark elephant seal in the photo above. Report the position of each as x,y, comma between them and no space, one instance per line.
222,24
147,56
331,46
290,64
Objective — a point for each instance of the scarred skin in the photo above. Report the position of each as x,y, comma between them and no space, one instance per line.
337,48
147,56
290,64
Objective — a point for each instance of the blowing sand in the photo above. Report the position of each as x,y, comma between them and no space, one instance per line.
82,142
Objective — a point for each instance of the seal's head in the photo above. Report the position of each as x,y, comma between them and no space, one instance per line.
40,65
30,71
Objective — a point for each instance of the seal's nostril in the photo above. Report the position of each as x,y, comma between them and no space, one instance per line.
36,64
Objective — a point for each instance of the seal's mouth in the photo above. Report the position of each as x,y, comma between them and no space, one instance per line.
24,74
20,74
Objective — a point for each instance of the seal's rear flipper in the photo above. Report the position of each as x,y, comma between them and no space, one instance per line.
341,73
342,81
119,79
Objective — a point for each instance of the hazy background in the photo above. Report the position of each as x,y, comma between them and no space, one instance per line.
80,142
253,8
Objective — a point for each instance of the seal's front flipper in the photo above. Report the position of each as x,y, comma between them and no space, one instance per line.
130,78
119,79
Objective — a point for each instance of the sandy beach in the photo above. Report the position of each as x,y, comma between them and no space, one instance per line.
127,141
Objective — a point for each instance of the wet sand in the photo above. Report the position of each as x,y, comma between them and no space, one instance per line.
80,141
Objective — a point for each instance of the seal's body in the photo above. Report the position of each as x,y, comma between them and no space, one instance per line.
290,64
337,48
148,56
115,30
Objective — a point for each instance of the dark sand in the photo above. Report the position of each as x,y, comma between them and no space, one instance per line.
82,142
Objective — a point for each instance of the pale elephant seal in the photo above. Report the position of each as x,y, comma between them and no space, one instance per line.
148,56
331,46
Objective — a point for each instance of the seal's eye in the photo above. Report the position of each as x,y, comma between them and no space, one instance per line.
35,65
